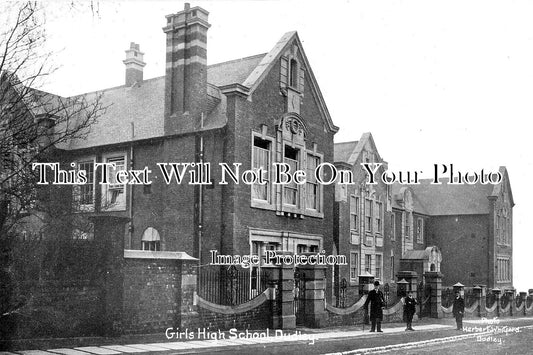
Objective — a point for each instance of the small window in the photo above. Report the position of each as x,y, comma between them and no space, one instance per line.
312,187
368,215
420,230
290,190
261,160
379,217
293,74
393,226
354,213
368,263
392,267
379,267
114,193
150,240
354,266
84,194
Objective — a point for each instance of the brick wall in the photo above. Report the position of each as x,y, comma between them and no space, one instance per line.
254,319
152,295
53,309
467,264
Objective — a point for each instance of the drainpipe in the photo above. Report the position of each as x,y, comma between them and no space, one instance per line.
200,192
130,202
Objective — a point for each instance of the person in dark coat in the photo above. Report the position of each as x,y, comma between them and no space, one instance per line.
409,309
458,310
377,302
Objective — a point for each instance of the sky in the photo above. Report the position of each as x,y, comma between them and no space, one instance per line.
435,82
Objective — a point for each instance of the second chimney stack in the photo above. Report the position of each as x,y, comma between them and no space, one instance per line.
134,65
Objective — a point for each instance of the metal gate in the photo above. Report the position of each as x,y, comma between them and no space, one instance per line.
424,296
299,297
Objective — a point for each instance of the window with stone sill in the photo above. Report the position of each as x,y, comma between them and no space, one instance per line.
420,230
292,74
354,213
151,241
261,161
312,187
354,266
84,194
379,267
379,217
368,263
393,226
114,193
368,214
291,190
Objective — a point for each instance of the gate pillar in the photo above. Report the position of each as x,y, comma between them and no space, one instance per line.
314,296
434,280
283,316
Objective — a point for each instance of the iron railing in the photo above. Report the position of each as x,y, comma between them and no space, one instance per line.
231,286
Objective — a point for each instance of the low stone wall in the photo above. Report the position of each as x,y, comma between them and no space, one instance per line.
352,315
255,314
157,292
355,314
56,308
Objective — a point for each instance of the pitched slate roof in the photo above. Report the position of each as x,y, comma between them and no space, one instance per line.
343,151
356,147
447,199
136,113
233,72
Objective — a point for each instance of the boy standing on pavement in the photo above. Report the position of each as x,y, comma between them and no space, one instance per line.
409,309
458,310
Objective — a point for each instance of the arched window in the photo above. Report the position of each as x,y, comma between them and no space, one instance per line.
151,240
293,74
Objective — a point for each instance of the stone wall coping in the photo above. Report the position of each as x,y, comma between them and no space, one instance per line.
398,307
344,311
446,310
492,308
217,308
473,307
167,255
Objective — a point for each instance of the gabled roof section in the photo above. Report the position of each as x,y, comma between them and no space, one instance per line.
349,152
271,58
449,199
137,112
343,151
505,181
233,72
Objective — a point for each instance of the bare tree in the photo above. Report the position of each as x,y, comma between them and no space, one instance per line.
34,126
33,123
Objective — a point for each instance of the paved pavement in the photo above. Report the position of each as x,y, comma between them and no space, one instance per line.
237,341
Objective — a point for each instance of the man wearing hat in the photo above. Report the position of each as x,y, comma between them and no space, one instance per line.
377,302
458,310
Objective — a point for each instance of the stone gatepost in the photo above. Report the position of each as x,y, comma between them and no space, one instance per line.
480,291
512,301
411,277
523,298
497,293
188,315
109,237
283,277
434,280
315,287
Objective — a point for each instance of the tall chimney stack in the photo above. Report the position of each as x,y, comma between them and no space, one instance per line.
186,67
134,65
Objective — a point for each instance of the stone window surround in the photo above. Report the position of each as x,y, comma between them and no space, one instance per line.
301,208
